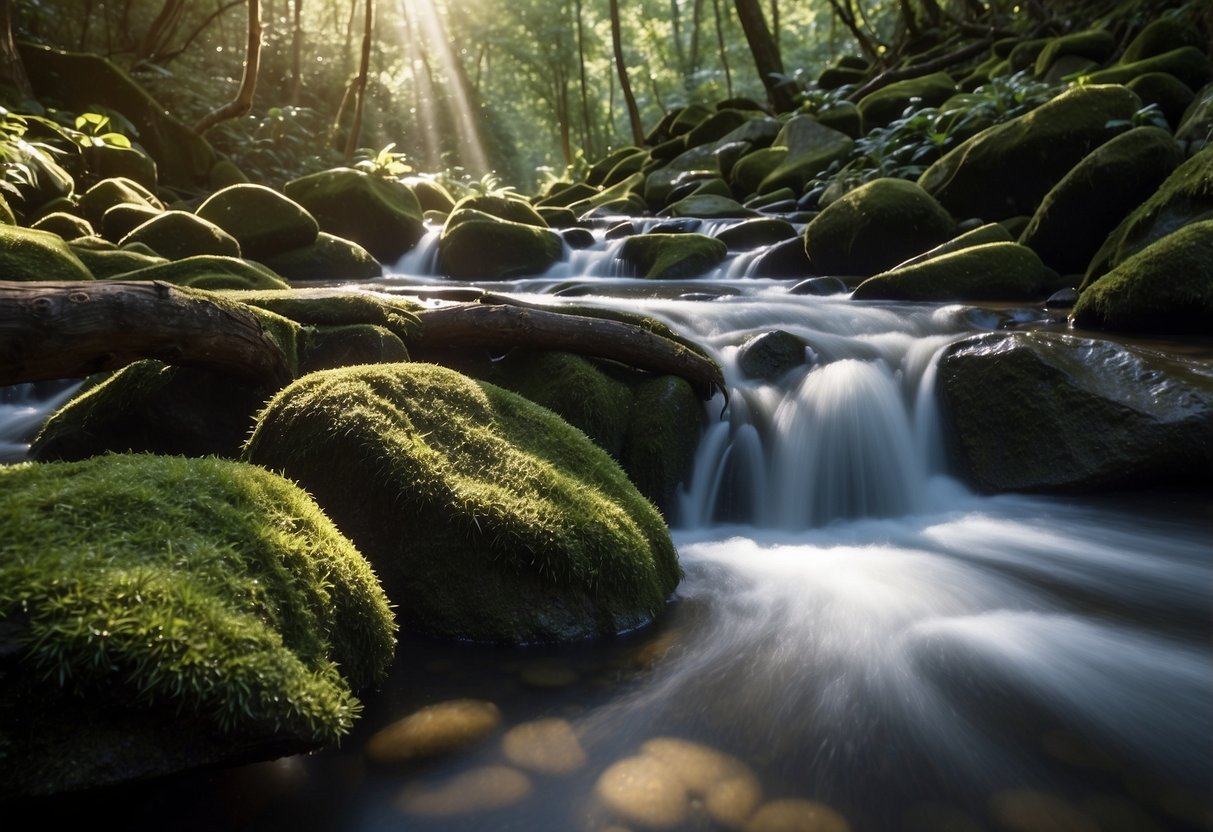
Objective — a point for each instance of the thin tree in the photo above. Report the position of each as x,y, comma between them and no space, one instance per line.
162,29
724,52
243,101
585,95
12,70
364,67
626,86
766,54
297,53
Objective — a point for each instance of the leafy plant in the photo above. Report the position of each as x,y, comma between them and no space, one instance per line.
386,162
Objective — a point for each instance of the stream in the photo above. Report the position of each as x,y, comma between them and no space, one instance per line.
860,642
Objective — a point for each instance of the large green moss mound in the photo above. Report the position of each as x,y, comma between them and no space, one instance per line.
381,215
672,256
812,147
26,254
881,107
479,246
328,258
487,516
990,271
167,613
206,271
179,234
264,221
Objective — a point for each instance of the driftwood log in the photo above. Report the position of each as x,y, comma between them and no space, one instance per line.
71,329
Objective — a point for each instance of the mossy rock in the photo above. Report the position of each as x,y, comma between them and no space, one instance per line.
81,82
225,173
626,166
208,271
991,232
29,254
150,407
117,191
431,195
1186,196
1076,216
106,161
885,105
1095,45
335,308
1165,34
264,221
757,232
1038,411
716,187
173,614
179,234
67,226
812,147
478,246
833,77
842,116
487,517
688,118
621,193
991,271
715,127
1171,96
1189,64
1006,170
750,170
1195,130
769,355
1166,288
382,216
111,262
558,217
598,172
672,256
565,197
328,258
710,206
329,347
660,183
1024,54
662,438
875,227
502,207
122,219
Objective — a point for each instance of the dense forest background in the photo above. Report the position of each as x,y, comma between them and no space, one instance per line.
519,91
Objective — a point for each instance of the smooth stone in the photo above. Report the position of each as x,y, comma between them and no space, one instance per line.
797,816
475,790
548,673
819,286
620,230
1062,299
729,789
546,746
433,730
1025,810
645,791
682,226
577,238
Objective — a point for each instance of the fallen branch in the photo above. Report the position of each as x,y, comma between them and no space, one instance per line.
926,68
500,325
71,329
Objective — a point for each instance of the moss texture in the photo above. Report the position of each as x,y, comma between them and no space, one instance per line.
1076,216
329,307
206,271
264,221
382,216
488,517
479,246
1095,45
1159,36
874,227
328,347
112,262
1165,288
757,232
179,234
672,256
812,147
883,106
663,435
1006,170
26,254
328,258
1189,64
202,598
1170,95
67,226
992,271
115,191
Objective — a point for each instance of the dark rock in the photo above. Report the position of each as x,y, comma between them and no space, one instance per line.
577,238
783,260
819,286
992,271
672,256
754,233
770,354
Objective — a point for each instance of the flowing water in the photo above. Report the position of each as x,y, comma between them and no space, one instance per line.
859,639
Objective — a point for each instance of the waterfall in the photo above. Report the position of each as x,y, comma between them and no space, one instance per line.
23,409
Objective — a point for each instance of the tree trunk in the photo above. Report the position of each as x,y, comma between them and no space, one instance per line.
297,54
676,34
364,67
766,55
71,329
12,71
585,93
499,326
693,57
724,53
624,84
163,26
775,28
243,101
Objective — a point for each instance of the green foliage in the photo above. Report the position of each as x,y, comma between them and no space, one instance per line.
276,146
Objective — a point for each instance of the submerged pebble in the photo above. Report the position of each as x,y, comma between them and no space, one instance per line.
545,746
645,791
797,816
475,790
1025,810
433,730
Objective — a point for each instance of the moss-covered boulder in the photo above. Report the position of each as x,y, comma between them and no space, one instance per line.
842,116
1166,288
105,161
1075,217
207,271
566,196
1052,412
328,258
750,170
112,261
715,127
992,271
330,347
117,191
123,218
755,233
1161,35
178,234
431,195
487,517
812,147
171,614
662,437
1189,64
874,227
263,221
1095,45
1171,96
1186,196
1195,130
28,254
672,256
503,207
1006,170
336,308
68,226
708,206
479,246
599,170
380,215
768,355
889,103
990,232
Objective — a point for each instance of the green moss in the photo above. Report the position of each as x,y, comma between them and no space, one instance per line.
874,227
120,220
883,106
672,256
1093,44
1171,96
488,517
565,197
106,160
263,221
105,263
117,191
380,215
1160,36
708,206
1023,55
842,116
67,226
715,127
336,307
1189,64
179,234
628,165
208,589
1165,288
328,258
833,77
1006,170
622,190
750,170
431,195
753,233
206,271
662,438
992,271
478,246
598,173
558,217
812,147
329,347
991,232
27,254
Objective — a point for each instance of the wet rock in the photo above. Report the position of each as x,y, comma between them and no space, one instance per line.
729,790
797,816
754,233
206,271
116,191
578,238
672,256
667,420
750,170
783,260
991,232
770,354
811,148
621,229
819,286
889,103
120,220
1171,96
1062,299
545,746
478,246
264,221
1189,64
382,216
328,258
679,226
842,116
992,271
476,790
1094,45
645,791
433,731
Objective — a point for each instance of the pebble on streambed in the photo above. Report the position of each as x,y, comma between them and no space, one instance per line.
544,746
476,790
433,730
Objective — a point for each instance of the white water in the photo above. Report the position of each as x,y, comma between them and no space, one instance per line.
855,625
